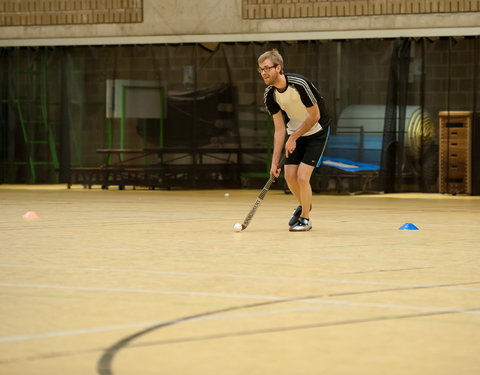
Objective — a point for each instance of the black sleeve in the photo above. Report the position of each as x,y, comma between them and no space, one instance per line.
308,94
270,103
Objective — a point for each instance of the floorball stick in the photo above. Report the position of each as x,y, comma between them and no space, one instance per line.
261,196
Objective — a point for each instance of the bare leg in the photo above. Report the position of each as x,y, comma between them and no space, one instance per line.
298,180
305,190
291,178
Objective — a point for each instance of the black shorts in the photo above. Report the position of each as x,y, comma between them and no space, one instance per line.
310,149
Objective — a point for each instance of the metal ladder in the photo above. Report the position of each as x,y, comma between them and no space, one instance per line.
31,107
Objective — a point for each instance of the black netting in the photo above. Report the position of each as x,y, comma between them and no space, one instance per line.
59,105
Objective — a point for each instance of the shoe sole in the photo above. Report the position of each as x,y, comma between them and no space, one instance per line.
300,230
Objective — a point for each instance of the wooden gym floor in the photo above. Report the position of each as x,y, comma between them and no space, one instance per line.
143,282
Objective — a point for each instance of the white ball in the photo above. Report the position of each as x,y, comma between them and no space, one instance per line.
237,227
226,195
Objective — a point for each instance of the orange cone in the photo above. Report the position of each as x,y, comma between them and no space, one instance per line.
31,215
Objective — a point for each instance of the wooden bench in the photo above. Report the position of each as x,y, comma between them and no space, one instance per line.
87,176
174,166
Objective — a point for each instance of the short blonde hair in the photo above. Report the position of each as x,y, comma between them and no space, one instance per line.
274,57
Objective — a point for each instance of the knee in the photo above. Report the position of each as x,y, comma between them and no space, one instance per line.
303,179
290,177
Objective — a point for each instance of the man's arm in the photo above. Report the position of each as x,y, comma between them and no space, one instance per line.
278,142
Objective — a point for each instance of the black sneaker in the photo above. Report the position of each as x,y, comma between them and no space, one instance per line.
295,216
302,225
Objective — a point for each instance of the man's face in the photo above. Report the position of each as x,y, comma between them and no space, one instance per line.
269,71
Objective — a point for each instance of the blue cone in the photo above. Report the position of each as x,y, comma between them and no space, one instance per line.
408,226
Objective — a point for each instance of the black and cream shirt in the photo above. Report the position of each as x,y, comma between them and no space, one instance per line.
294,101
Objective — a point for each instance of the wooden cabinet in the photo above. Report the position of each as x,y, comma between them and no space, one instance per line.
456,164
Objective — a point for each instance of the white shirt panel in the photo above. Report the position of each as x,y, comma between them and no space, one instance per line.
291,103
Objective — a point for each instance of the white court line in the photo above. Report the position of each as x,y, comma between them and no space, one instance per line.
53,223
243,296
153,324
144,291
236,276
205,294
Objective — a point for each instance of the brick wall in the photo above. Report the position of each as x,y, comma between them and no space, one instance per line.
65,12
265,9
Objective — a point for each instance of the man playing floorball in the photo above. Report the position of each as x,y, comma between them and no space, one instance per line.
297,107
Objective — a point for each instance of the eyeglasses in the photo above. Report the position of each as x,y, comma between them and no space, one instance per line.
266,69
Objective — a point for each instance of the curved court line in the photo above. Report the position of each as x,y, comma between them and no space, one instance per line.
309,299
291,328
81,331
226,335
104,364
267,299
